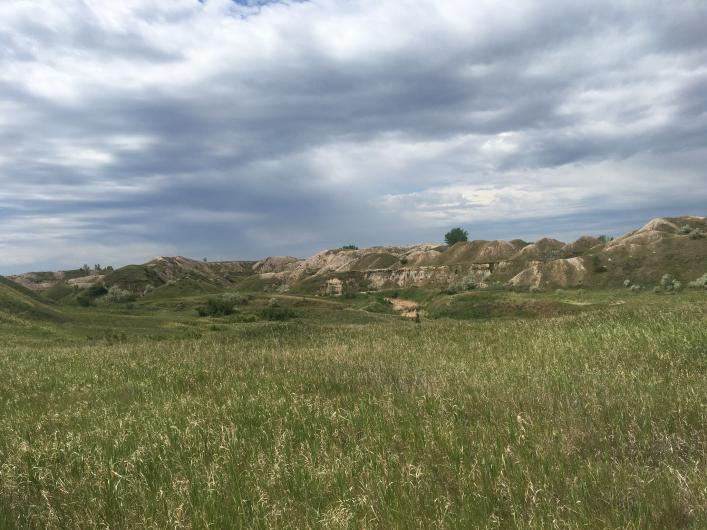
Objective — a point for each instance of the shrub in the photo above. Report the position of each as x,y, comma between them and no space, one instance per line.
697,233
96,290
627,283
83,300
552,254
244,318
700,282
235,298
216,307
465,284
349,247
116,295
605,239
596,264
684,229
535,289
278,313
666,282
657,290
636,288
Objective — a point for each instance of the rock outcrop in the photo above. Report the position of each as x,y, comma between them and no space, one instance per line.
569,272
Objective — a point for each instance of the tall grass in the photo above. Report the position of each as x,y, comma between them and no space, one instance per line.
584,421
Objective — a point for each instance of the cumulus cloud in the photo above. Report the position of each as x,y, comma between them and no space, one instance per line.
239,129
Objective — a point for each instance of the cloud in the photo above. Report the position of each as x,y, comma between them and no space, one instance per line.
238,129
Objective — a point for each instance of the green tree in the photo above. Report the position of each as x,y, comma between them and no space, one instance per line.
455,235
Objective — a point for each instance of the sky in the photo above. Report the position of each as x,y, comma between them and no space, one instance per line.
238,130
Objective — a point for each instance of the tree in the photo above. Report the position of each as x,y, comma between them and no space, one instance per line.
455,235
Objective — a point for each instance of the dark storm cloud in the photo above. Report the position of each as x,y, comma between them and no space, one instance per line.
227,130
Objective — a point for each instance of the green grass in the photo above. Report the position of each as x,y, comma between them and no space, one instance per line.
20,307
343,418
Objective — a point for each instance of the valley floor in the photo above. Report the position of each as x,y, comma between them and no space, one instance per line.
350,418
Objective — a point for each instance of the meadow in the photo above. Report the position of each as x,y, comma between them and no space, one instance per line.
348,416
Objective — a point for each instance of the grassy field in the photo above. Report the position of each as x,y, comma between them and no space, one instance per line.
590,411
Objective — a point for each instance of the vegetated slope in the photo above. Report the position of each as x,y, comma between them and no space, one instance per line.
168,271
173,276
675,245
18,304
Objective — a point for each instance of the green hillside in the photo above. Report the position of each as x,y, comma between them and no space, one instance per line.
19,305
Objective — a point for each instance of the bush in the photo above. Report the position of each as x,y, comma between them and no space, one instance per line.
96,290
596,264
552,254
697,233
684,229
83,300
116,295
535,289
455,235
349,247
636,288
235,298
466,284
667,282
87,297
627,283
243,318
216,307
700,282
278,313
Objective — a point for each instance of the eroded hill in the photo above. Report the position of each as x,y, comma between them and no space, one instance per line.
675,246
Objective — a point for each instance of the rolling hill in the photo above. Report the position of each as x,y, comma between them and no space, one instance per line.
20,305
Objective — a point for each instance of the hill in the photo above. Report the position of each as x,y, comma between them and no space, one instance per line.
674,245
19,305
